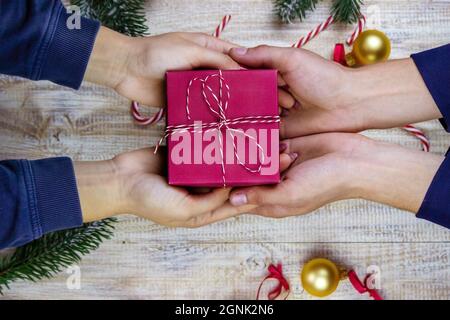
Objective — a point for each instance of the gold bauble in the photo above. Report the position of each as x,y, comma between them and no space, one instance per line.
320,277
370,47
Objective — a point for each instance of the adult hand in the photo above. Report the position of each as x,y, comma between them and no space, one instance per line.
136,67
329,97
337,166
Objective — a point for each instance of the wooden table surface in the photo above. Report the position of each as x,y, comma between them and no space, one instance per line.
227,260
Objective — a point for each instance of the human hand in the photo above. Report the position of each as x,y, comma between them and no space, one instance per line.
136,67
338,166
133,182
329,97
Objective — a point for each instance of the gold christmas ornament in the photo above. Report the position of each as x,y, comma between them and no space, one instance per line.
320,277
370,47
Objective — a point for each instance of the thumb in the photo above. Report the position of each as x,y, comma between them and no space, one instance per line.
264,195
287,159
265,57
200,203
259,195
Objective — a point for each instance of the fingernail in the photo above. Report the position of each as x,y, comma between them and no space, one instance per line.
293,155
240,51
283,147
238,199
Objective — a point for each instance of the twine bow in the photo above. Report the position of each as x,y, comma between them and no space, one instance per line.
218,107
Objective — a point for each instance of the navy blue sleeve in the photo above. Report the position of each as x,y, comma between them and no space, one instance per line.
436,205
38,41
36,197
434,66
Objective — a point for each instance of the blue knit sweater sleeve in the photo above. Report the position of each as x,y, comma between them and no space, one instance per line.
36,197
434,66
41,40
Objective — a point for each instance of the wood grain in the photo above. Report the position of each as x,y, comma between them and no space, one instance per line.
227,259
187,270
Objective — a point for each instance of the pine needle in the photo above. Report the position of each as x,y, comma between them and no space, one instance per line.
289,10
124,16
49,255
346,11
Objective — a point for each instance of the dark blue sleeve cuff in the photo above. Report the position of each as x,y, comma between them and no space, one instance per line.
53,192
434,66
64,54
436,205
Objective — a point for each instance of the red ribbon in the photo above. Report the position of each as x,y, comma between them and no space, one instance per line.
275,272
339,54
362,287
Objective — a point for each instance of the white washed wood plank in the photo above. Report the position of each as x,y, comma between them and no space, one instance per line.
183,270
41,119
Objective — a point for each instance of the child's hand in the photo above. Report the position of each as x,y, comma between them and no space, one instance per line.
337,166
135,67
133,183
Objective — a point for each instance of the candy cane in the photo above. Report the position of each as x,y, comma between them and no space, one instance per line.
324,25
135,107
314,32
419,134
225,20
358,29
145,120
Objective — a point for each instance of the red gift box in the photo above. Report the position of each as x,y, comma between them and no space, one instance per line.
222,128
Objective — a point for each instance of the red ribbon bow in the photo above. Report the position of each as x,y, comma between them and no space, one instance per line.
362,287
275,272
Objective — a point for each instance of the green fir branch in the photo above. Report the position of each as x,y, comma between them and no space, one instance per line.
346,11
49,255
289,10
124,16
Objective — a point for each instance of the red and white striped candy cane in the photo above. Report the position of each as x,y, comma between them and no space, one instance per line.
142,120
223,24
358,29
419,134
314,32
324,25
